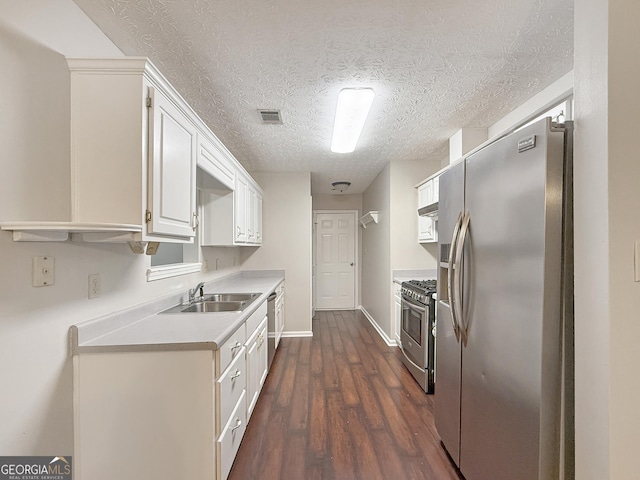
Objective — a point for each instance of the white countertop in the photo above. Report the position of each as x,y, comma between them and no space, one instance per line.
137,329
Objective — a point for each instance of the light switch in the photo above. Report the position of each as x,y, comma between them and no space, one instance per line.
636,262
43,271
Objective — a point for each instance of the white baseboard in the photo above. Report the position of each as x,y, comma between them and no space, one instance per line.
347,309
385,337
298,334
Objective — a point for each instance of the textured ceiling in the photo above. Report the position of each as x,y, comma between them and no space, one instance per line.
436,66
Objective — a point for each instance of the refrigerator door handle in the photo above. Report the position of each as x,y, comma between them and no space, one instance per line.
450,277
458,279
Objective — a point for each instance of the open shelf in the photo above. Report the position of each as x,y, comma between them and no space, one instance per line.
369,217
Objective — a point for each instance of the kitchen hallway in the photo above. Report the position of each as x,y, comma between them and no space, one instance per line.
341,406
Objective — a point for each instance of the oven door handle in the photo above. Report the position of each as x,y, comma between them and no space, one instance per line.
409,358
413,305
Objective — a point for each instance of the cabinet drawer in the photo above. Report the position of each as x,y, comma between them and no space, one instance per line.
255,319
229,441
230,386
231,348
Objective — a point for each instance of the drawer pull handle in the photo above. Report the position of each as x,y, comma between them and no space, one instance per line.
237,345
236,375
237,425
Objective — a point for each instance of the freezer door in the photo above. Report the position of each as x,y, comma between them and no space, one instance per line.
447,346
511,361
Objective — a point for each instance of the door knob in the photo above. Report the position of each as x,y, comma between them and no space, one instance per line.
351,264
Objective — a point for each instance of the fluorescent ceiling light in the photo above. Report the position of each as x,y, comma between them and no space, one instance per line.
351,113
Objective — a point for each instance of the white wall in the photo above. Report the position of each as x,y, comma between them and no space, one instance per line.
35,372
392,244
607,202
406,253
287,242
338,202
536,105
376,251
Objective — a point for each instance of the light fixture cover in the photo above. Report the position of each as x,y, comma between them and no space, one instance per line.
351,113
340,186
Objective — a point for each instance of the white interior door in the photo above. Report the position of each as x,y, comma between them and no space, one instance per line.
335,261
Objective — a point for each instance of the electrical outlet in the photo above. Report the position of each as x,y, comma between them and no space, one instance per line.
94,285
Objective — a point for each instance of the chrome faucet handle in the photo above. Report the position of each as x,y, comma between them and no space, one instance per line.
193,291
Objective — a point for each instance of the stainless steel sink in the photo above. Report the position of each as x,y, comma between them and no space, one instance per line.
216,302
207,307
230,297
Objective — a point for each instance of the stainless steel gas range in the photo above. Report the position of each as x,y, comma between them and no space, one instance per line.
417,332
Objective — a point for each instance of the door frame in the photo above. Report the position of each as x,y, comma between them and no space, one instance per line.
356,255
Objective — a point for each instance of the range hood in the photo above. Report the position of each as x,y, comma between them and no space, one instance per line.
430,210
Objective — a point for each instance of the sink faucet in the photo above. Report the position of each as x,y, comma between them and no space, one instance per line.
195,290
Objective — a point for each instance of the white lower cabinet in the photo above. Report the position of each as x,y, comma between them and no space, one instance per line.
144,415
230,386
256,349
229,441
167,415
279,313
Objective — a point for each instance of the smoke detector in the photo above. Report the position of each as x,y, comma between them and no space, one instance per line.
270,116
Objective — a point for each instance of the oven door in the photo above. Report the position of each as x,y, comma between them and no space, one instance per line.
413,332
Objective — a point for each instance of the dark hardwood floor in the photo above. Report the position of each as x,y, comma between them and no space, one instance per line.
341,406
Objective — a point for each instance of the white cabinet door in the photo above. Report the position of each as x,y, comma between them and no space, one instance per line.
172,152
251,214
427,194
263,356
258,218
252,374
240,200
256,365
279,320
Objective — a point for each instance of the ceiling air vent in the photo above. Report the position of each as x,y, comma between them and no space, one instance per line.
270,117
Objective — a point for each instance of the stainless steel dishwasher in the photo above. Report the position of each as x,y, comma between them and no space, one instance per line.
271,327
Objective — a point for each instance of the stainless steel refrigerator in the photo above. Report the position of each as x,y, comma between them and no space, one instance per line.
504,345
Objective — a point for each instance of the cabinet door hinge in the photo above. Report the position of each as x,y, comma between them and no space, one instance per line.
149,102
147,216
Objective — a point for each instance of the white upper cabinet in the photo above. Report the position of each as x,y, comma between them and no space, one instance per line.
258,217
133,149
254,215
241,201
231,217
428,226
172,169
216,162
136,146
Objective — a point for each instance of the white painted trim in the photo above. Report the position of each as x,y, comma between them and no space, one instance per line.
387,340
349,309
298,334
167,271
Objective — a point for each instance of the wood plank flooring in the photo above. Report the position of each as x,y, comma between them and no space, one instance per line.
341,406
